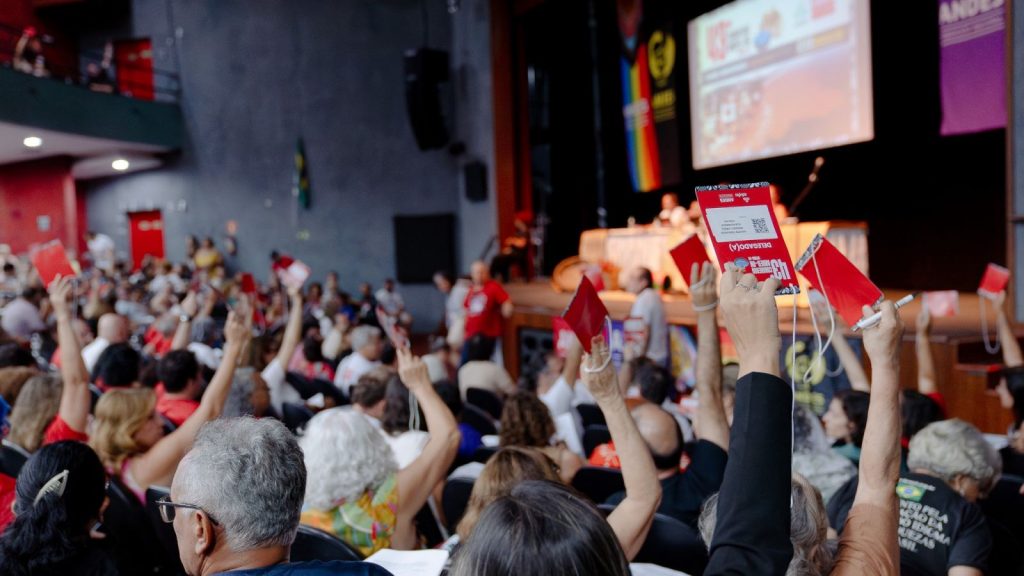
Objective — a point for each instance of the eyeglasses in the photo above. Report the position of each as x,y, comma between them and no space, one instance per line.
167,507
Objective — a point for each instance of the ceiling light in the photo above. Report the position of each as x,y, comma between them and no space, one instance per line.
120,164
32,142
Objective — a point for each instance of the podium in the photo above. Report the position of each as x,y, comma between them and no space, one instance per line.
627,248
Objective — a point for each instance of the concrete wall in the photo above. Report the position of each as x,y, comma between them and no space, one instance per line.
255,76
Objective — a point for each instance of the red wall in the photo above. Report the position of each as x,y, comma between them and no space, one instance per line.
40,188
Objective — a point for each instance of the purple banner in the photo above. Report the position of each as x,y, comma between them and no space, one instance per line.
973,69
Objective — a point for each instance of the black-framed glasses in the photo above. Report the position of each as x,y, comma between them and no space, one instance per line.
167,507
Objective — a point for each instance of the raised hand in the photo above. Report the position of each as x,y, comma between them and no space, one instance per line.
752,319
703,292
598,372
882,341
924,319
412,370
61,290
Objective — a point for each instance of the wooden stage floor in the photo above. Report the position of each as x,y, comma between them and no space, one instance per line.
957,346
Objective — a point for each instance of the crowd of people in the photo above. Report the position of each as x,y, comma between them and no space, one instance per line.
237,411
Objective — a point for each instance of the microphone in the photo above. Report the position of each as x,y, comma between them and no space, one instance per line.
812,179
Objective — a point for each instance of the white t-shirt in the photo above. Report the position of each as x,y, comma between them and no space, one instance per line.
407,446
648,306
351,369
92,351
101,247
391,302
280,390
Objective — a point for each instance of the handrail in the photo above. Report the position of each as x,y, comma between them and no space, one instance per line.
165,83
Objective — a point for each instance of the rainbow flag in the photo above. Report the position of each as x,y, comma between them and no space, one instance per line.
641,142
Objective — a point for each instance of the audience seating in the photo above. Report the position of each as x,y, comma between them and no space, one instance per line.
485,400
484,453
131,537
670,543
598,483
478,419
164,531
454,500
594,436
1004,510
295,416
309,387
315,544
590,415
428,526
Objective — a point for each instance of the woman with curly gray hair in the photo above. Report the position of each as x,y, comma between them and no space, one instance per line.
354,488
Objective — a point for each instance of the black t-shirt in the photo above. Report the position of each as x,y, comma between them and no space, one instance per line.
682,495
1013,461
938,528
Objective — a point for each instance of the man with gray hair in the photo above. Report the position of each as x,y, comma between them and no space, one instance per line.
366,350
235,503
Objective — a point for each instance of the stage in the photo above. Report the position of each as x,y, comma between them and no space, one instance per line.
961,362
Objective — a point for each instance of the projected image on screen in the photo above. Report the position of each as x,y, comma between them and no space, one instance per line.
775,77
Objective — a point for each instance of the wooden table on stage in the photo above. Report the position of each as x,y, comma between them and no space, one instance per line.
648,246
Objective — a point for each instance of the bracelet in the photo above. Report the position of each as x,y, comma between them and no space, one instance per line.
599,368
705,307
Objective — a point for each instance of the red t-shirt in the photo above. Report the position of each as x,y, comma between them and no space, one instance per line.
176,410
59,430
483,310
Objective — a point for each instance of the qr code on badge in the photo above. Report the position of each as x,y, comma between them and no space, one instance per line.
760,225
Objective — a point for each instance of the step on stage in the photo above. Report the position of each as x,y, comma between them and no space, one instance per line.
962,365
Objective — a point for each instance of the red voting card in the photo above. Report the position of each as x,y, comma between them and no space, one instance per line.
248,284
994,281
586,313
295,275
563,336
744,231
829,272
51,260
942,303
689,252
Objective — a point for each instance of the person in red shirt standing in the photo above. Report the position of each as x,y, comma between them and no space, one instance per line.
487,304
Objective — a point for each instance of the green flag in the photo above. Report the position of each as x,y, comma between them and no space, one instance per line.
300,186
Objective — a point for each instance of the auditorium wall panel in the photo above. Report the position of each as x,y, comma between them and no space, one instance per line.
256,76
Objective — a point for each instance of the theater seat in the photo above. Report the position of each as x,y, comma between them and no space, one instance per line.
484,453
295,416
481,421
485,400
133,541
454,500
315,544
670,543
164,531
598,483
594,436
590,415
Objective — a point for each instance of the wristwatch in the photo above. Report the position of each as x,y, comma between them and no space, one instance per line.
184,317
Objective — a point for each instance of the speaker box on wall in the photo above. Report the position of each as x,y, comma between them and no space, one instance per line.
425,71
424,245
475,176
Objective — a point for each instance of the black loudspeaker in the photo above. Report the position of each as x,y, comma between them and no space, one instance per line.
425,71
475,176
424,245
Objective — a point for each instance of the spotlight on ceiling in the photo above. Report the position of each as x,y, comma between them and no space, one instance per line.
32,142
120,164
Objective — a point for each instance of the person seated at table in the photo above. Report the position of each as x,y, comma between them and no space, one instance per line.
672,214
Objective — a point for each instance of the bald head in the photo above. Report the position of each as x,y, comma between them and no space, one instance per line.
113,328
479,272
661,433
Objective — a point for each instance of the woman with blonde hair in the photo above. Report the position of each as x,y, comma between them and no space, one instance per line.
128,435
504,470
